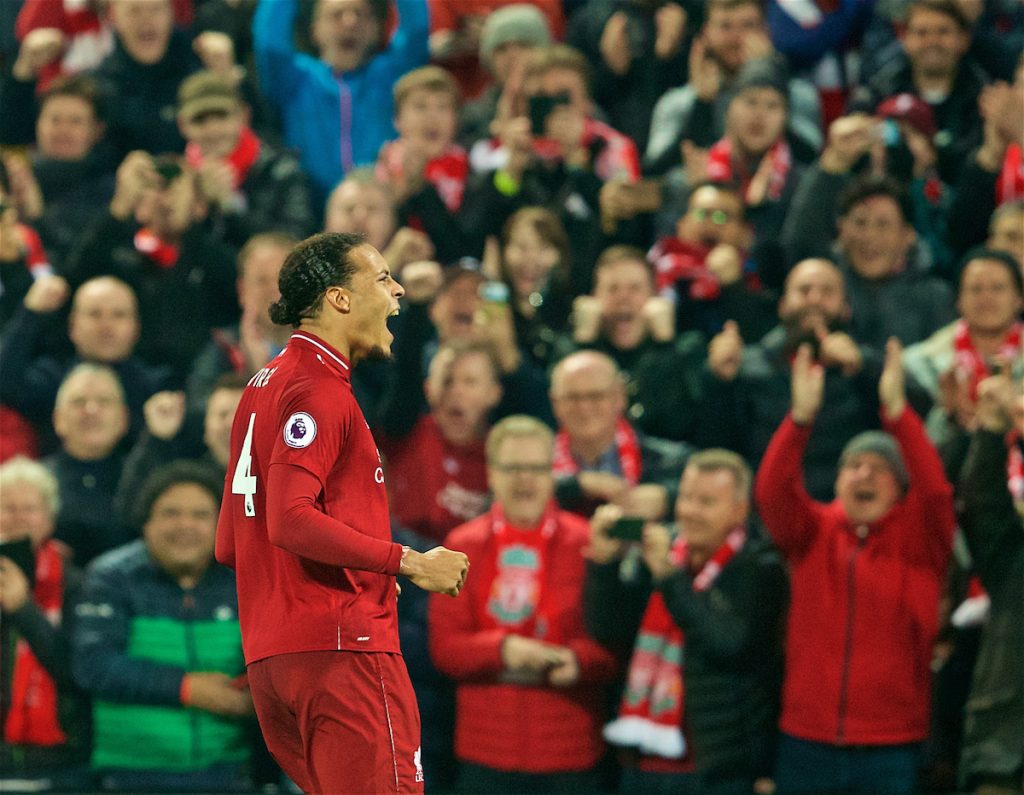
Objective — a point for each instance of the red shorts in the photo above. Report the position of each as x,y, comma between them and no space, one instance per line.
340,722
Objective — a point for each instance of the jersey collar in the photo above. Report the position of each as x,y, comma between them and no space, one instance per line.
324,352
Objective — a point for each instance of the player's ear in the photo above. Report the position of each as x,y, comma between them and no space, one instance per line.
339,299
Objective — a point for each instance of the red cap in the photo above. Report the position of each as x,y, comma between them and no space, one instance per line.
913,110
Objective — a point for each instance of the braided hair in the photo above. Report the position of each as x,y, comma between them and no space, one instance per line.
315,264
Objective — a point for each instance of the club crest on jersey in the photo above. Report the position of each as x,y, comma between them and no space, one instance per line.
300,430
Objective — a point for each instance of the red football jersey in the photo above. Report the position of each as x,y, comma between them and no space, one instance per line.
304,521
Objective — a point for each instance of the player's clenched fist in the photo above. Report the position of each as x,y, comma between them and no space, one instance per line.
439,570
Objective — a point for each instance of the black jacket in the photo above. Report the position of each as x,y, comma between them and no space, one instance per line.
995,534
733,651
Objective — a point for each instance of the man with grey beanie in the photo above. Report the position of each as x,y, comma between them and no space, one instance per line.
508,38
867,571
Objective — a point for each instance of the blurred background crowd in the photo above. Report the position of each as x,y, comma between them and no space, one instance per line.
779,241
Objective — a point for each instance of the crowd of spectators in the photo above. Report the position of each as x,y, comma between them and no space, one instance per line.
711,358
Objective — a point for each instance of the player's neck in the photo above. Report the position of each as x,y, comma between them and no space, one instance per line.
332,336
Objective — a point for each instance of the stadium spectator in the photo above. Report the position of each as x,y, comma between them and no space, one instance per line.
599,457
734,32
62,185
90,419
528,697
249,185
933,67
623,318
360,204
152,237
22,257
436,468
988,331
508,39
889,289
702,622
867,570
45,719
245,348
992,757
708,270
637,52
103,328
336,109
158,647
750,392
459,28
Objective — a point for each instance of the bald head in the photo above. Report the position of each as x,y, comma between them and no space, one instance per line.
589,399
104,321
814,292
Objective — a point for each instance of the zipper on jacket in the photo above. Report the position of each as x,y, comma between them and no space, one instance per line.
188,604
844,681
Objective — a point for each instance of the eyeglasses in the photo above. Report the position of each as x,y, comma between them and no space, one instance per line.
523,469
718,217
584,397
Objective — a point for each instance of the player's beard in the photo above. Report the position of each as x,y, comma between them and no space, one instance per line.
378,354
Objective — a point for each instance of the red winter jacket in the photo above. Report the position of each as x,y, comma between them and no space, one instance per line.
525,728
864,608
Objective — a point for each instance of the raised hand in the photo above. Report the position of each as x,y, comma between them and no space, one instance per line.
849,137
47,294
725,352
892,391
996,396
614,44
39,48
670,25
807,386
164,413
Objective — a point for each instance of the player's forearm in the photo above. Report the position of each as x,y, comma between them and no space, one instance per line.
295,524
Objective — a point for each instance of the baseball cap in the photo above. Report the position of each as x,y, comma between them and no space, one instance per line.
205,91
913,110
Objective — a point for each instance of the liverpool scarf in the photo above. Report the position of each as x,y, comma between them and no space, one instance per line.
627,447
651,714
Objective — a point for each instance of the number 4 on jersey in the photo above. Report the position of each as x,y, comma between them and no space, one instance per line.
243,481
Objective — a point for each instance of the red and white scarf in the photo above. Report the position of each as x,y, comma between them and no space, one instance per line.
971,363
678,260
242,157
447,173
627,448
32,718
518,599
651,714
156,250
1010,185
723,168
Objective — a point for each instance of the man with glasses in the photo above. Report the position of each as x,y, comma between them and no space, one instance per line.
599,456
528,712
706,270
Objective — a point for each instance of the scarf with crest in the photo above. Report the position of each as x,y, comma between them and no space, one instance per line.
651,714
518,600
